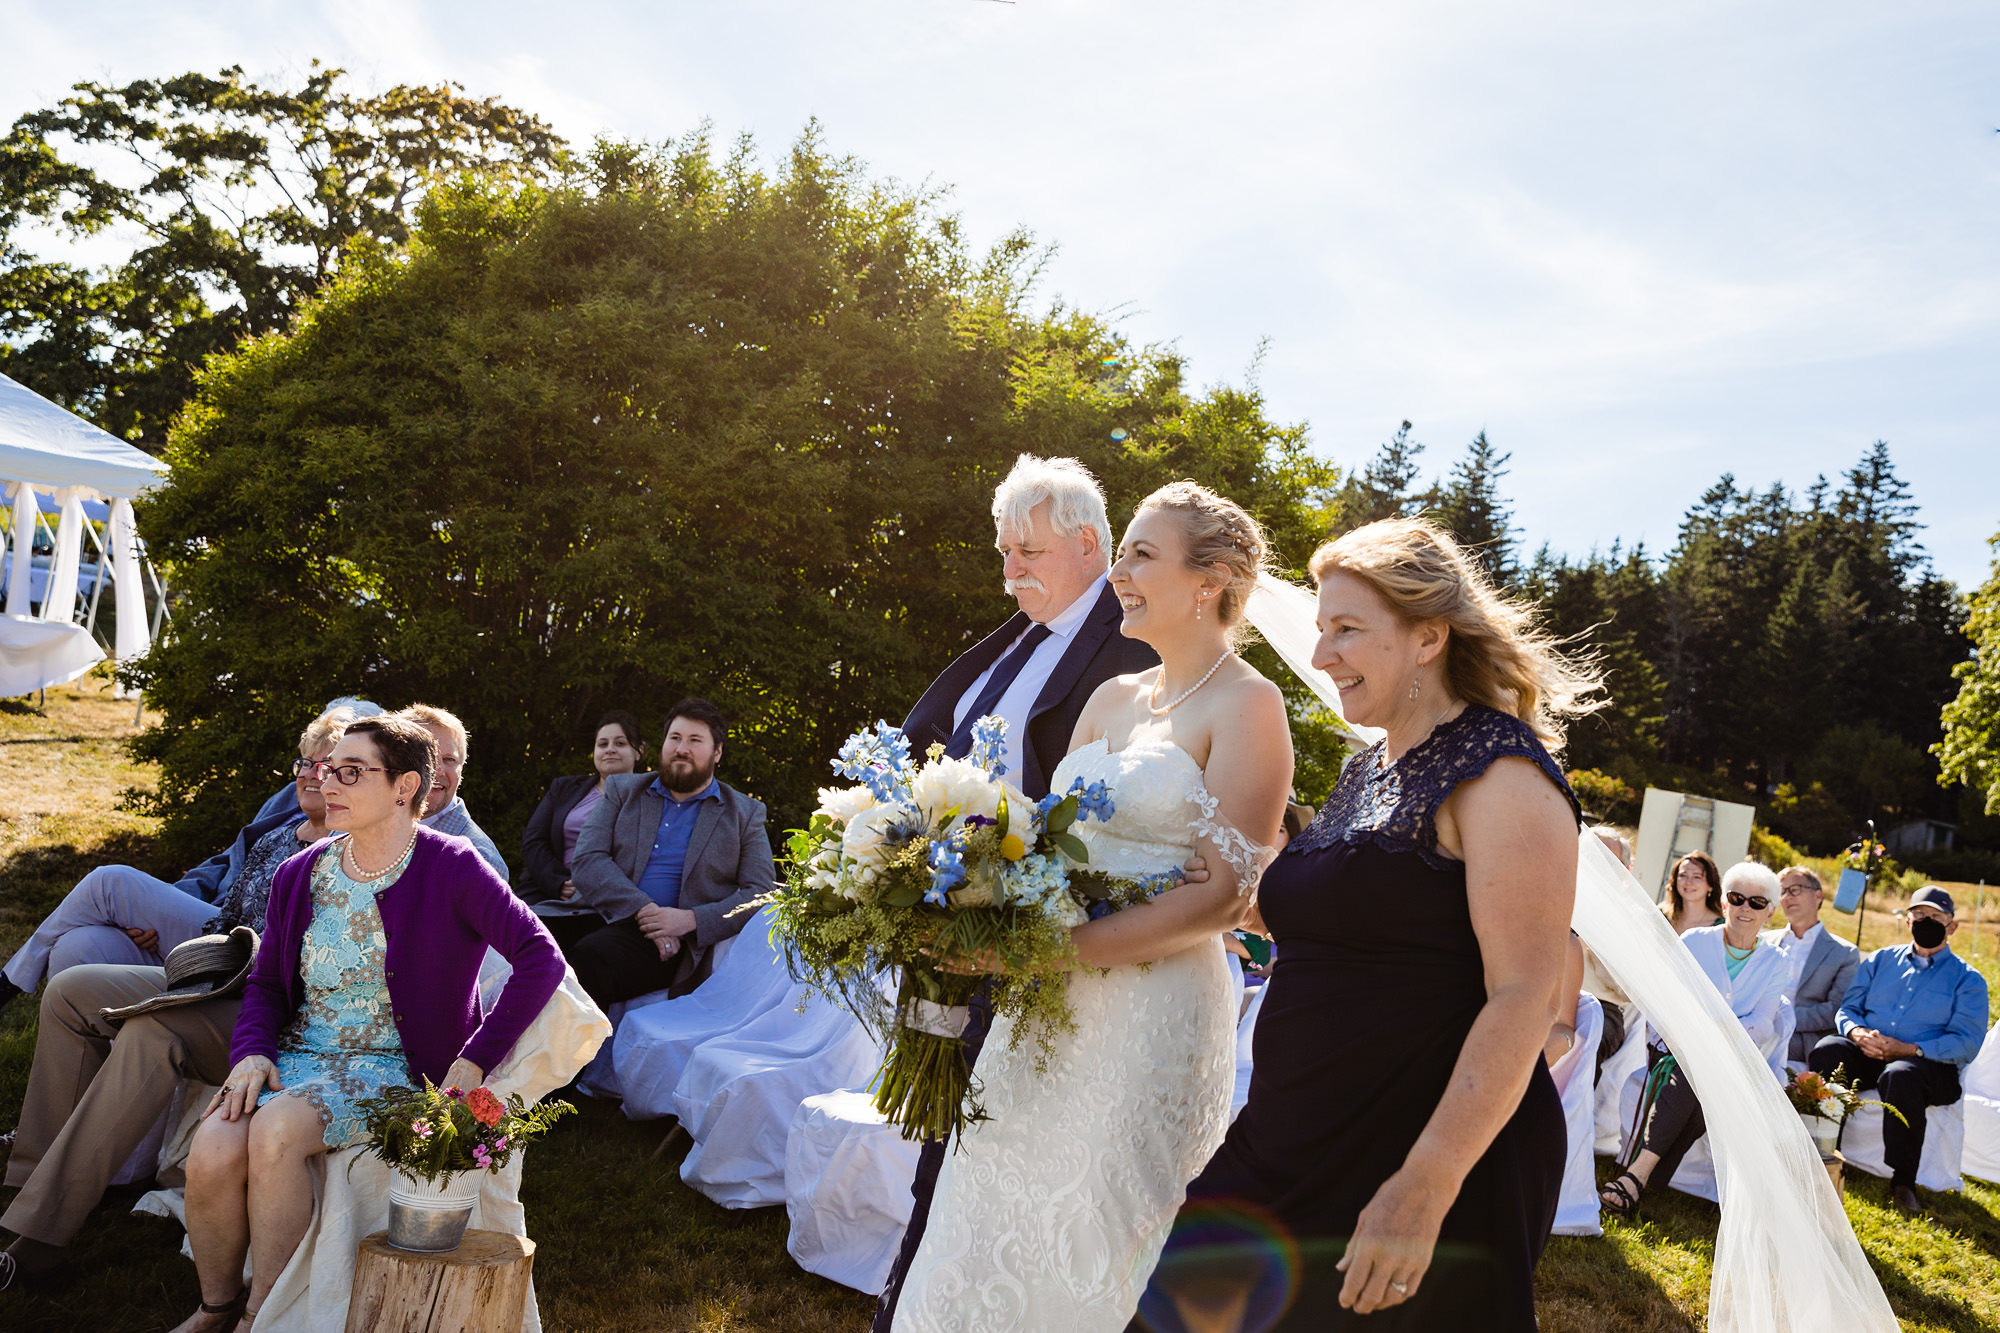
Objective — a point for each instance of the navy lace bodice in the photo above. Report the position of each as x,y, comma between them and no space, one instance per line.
1394,806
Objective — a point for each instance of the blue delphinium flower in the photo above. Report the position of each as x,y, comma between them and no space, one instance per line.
1092,801
989,742
880,759
947,861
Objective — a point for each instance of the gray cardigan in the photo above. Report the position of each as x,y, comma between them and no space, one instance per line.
728,857
1828,972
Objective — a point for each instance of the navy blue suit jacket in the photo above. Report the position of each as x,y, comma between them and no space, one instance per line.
1097,653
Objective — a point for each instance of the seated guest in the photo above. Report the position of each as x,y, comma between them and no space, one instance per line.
1751,976
97,1087
1696,899
445,810
1911,1021
549,841
368,978
117,914
665,860
1820,965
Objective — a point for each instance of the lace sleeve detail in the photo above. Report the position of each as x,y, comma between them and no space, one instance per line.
1245,857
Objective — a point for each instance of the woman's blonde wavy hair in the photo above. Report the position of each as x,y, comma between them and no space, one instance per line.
1494,655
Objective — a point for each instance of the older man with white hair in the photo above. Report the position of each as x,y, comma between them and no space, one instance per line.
1036,671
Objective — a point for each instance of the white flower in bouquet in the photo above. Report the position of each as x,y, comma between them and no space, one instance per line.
842,804
866,840
957,787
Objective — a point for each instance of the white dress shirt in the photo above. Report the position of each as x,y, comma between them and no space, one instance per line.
1019,700
1795,949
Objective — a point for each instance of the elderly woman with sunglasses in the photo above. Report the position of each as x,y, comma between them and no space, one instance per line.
1751,976
367,979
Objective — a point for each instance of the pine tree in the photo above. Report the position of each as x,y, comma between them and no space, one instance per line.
1470,507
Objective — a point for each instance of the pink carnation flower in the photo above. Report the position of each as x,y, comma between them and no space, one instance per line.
486,1108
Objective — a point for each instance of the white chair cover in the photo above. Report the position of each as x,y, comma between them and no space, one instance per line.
654,1044
1246,1029
1940,1166
847,1189
1576,1079
1982,1110
740,1092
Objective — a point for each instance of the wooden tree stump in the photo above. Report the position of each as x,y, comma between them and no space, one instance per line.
480,1287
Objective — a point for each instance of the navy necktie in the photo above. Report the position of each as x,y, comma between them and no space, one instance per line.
960,744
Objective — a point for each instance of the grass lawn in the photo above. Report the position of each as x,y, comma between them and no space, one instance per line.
625,1246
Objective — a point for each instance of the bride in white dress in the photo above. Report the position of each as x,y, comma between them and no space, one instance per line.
1051,1213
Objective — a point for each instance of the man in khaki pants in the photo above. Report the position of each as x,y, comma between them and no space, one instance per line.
92,1100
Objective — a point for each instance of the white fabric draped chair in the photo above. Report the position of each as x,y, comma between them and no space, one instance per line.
1982,1110
1939,1167
739,1092
847,1189
351,1187
1610,1116
1576,1079
654,1042
1246,1030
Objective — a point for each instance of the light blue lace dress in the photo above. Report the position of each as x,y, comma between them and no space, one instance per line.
341,1046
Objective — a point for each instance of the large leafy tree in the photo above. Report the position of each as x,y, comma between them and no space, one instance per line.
230,202
1970,750
683,425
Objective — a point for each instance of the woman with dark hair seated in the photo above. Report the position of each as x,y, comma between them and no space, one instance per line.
1696,900
367,978
550,838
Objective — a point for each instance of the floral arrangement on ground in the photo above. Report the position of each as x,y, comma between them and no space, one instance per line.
434,1132
951,879
1830,1097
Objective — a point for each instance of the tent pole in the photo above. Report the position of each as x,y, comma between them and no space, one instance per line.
97,584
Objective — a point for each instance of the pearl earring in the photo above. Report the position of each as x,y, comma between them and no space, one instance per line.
1417,685
1198,600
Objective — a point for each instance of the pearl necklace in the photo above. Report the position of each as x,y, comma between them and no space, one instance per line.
364,876
1153,701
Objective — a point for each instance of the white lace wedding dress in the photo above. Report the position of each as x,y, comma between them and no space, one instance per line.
1050,1214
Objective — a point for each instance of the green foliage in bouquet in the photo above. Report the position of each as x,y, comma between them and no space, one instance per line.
1832,1097
436,1131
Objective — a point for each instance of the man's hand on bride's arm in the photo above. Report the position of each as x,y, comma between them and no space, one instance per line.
1196,870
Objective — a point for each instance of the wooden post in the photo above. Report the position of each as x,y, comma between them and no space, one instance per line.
480,1287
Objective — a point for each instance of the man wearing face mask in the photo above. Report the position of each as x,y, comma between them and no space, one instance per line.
1911,1021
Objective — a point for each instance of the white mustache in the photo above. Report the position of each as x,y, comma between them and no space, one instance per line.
1029,584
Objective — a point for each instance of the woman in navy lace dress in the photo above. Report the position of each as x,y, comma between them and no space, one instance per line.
1398,1162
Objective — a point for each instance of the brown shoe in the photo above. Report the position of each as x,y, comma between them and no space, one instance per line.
1906,1201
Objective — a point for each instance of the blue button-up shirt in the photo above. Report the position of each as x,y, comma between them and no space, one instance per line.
661,880
1939,1003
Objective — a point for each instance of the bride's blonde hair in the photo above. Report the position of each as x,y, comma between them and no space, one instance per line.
1494,655
1215,531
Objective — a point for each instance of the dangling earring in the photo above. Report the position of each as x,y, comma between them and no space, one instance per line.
1199,598
1417,685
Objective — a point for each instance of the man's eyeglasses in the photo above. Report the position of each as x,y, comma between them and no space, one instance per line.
1756,904
348,774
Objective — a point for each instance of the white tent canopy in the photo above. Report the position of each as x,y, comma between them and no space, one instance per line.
46,634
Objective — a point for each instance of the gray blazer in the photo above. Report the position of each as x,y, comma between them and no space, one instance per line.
728,858
1829,970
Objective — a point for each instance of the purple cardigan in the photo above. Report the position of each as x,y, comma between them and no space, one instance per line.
437,920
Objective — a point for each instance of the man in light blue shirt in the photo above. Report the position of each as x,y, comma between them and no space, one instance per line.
1913,1018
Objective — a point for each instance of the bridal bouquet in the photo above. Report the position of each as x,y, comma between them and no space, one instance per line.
949,874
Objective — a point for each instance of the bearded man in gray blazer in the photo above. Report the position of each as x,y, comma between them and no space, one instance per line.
665,859
1822,964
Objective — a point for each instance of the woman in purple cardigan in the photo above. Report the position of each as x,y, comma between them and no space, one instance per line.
367,978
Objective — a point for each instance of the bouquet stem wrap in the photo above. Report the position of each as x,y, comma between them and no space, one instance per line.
925,1084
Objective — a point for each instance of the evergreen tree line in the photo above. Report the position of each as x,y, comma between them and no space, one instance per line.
1792,650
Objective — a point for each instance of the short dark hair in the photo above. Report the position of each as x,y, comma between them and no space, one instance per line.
405,746
702,711
622,720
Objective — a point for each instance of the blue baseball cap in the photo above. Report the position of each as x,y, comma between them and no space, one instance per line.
1930,895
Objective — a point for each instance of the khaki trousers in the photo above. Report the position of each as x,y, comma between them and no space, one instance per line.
97,1089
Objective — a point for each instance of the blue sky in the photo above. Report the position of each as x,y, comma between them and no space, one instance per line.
1638,247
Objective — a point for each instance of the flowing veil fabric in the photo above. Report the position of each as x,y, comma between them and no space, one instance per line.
1785,1257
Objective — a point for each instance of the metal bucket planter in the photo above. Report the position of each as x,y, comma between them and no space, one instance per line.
430,1216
